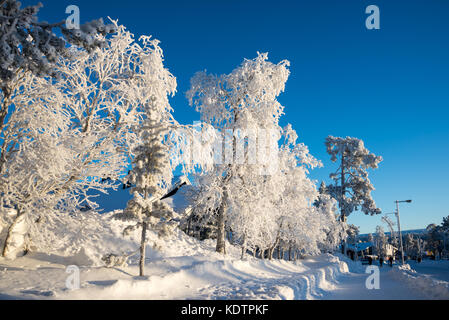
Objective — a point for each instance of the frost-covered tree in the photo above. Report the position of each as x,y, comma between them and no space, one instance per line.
27,44
29,48
390,224
243,101
444,227
411,246
371,240
352,188
261,204
150,175
352,231
67,135
434,239
299,223
381,241
335,230
445,224
278,206
163,144
152,171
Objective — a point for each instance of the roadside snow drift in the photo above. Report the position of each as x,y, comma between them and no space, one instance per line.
431,288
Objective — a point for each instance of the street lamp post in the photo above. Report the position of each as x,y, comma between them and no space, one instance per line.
399,227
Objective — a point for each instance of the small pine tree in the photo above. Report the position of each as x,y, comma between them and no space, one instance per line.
151,167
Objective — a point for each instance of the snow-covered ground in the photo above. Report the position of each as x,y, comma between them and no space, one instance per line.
194,277
397,283
181,267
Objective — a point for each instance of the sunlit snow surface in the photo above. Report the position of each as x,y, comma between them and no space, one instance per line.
185,268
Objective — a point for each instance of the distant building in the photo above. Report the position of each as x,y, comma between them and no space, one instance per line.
360,249
363,249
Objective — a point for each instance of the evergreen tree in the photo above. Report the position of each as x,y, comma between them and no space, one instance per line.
352,188
151,169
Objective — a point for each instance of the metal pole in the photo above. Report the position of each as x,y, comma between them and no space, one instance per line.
399,228
444,243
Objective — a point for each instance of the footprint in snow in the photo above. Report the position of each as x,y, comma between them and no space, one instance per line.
39,293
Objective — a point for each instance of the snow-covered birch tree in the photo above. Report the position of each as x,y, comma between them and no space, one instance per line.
261,204
29,48
292,194
242,101
334,228
381,242
67,135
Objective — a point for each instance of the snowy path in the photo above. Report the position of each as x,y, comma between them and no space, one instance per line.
307,279
435,269
352,286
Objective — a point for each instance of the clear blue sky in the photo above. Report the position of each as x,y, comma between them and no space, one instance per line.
389,87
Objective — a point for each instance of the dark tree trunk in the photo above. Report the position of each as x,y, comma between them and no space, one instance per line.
189,224
270,253
142,250
343,192
243,247
221,243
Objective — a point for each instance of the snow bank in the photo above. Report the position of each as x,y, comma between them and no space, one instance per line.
218,277
178,267
353,266
432,288
87,237
84,239
317,281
